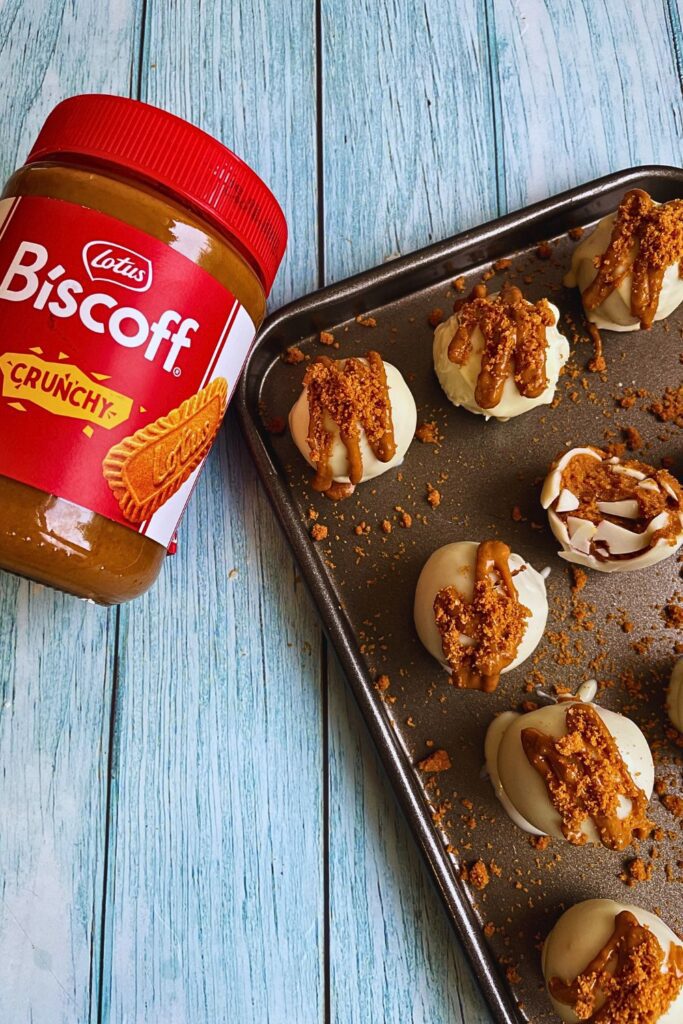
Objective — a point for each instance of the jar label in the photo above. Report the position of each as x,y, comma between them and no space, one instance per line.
118,357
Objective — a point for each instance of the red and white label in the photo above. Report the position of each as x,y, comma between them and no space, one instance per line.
116,352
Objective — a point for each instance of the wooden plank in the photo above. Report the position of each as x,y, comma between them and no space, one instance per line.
215,895
56,654
408,158
408,150
583,89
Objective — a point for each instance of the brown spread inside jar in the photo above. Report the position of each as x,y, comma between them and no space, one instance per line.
494,621
51,539
353,394
599,482
625,977
585,776
646,240
514,342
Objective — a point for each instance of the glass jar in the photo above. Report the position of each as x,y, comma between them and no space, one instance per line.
136,255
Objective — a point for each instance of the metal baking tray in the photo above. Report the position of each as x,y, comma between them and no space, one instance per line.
363,585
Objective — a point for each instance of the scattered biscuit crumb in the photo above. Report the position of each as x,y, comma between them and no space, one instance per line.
635,871
479,876
319,532
433,496
293,355
669,408
439,761
633,438
579,579
428,433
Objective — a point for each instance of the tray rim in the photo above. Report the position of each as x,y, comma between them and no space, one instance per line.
496,991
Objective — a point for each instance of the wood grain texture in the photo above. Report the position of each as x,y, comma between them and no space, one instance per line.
215,895
56,654
408,141
408,158
581,89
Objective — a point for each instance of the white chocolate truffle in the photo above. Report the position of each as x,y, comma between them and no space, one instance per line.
582,933
674,699
459,382
404,418
521,789
455,565
627,537
614,312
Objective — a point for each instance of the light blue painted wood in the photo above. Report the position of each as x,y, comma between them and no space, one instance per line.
581,89
56,654
408,159
408,154
215,895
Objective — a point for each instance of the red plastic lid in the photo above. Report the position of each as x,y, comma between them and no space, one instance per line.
182,159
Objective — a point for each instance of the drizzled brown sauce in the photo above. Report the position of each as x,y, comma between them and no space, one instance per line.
494,621
514,342
646,240
354,395
593,480
627,974
585,775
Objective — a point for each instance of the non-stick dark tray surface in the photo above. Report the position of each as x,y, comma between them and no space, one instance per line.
488,475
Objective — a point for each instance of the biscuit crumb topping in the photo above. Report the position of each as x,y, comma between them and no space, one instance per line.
587,778
646,240
627,982
353,394
515,343
492,624
632,506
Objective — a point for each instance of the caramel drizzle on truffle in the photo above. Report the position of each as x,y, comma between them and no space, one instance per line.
495,621
585,775
514,333
592,481
646,239
627,972
354,395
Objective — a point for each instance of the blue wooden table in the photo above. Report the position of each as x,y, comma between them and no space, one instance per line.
194,828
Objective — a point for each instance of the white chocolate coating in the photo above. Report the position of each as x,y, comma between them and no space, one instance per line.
404,417
674,699
459,382
614,312
582,932
576,535
454,565
519,785
494,735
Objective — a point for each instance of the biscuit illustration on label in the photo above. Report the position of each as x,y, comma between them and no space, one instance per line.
149,467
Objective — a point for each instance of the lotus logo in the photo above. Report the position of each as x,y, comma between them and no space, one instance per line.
107,261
